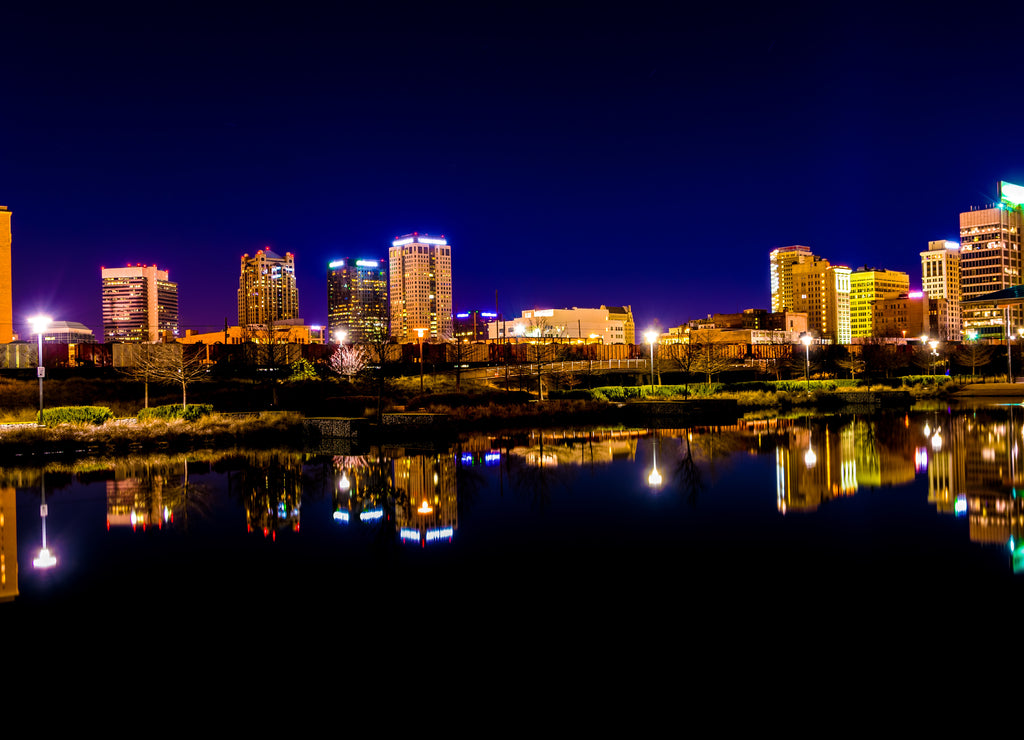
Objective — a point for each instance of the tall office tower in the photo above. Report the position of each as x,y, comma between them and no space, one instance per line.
940,278
6,283
140,304
267,291
421,287
868,286
822,291
357,298
782,261
990,260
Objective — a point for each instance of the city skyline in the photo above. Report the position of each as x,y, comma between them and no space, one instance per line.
564,175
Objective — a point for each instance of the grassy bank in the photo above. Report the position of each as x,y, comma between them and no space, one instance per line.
280,429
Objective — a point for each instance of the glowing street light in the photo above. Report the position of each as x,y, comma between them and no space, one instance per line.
807,339
419,333
340,335
651,337
39,325
933,344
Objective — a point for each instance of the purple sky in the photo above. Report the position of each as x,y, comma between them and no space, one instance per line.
572,155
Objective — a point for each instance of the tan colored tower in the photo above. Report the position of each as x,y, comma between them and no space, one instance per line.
421,287
267,290
822,291
782,261
940,278
6,282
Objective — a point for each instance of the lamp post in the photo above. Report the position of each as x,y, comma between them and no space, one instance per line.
340,335
651,337
39,325
807,339
933,344
419,333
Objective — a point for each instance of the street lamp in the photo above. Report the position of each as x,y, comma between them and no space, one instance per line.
419,333
933,344
39,325
339,336
807,339
654,479
651,337
45,559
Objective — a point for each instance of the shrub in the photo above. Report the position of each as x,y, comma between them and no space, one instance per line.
176,411
74,415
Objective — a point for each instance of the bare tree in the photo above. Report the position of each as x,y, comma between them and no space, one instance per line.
180,365
683,357
140,361
349,360
974,355
712,355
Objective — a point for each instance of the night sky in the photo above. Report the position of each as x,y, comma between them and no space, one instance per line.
572,154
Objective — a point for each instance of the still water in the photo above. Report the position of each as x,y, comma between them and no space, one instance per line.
880,511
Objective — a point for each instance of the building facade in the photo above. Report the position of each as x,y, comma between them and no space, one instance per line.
782,261
6,281
567,324
912,316
625,315
140,304
868,286
822,291
68,332
990,261
940,278
357,298
267,290
420,270
471,326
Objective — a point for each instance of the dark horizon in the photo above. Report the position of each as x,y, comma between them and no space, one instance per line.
571,156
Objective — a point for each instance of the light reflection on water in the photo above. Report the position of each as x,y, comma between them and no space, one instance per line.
850,494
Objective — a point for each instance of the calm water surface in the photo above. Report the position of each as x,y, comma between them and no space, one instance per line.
817,518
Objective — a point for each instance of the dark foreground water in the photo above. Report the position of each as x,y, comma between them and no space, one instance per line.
652,544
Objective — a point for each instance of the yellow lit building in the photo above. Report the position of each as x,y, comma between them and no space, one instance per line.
281,332
6,282
140,304
868,286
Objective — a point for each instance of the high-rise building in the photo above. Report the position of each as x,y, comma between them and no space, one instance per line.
822,291
140,304
990,260
782,261
625,315
868,286
420,267
6,283
357,298
940,278
267,291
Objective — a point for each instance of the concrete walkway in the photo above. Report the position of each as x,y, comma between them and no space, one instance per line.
1000,390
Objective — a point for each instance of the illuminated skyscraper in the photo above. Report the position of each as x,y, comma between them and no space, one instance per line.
940,278
6,283
782,261
822,291
357,298
267,291
421,287
868,286
990,260
140,304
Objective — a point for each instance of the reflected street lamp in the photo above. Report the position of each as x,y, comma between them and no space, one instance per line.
39,325
651,337
45,559
807,339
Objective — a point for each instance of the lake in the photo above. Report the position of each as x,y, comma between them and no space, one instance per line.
792,526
